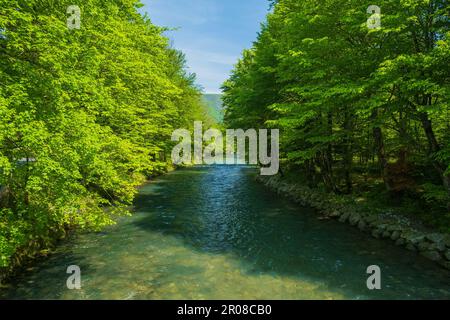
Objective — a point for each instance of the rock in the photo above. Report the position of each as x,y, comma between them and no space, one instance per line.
438,246
435,237
447,255
376,233
432,255
334,214
433,246
371,219
445,264
362,225
393,227
423,246
447,241
386,234
413,236
354,219
344,217
363,215
395,235
373,224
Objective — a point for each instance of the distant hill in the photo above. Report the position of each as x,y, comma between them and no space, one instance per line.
215,106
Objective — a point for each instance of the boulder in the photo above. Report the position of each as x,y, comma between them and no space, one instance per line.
423,246
447,255
432,255
447,241
395,235
387,234
413,236
354,219
445,264
393,227
376,233
435,237
362,225
334,214
438,246
344,217
371,219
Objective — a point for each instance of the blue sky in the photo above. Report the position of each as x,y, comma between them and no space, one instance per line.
212,33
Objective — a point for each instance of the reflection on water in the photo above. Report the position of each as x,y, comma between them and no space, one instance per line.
215,233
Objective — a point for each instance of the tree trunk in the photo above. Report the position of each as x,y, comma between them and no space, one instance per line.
380,151
327,158
348,154
434,147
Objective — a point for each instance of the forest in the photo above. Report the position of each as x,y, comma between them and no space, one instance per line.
100,106
363,112
86,116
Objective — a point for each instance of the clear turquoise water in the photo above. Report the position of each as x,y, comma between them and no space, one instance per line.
215,233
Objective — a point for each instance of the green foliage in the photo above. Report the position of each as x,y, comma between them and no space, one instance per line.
434,194
85,116
349,99
214,105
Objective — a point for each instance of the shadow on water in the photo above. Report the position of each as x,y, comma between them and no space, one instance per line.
222,210
215,233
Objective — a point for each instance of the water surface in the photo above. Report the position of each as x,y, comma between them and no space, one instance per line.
215,233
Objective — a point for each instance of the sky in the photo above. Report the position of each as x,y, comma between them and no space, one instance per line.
211,33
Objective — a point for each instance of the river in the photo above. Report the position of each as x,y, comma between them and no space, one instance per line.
216,233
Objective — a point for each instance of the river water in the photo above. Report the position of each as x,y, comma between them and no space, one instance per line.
215,233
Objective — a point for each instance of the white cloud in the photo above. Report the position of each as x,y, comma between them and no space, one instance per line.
211,33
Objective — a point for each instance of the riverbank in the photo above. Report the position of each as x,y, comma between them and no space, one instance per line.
27,255
404,232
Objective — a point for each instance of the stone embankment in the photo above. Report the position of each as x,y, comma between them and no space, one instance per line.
404,232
